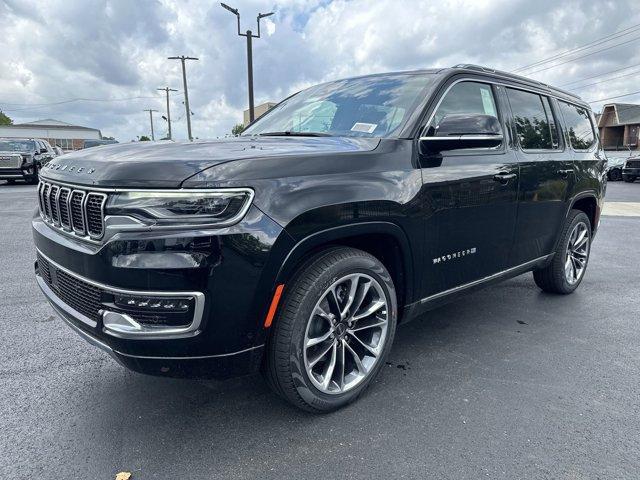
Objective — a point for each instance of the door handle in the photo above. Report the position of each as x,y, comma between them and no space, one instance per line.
503,178
565,173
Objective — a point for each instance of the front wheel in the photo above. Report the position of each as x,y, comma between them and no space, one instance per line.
333,332
615,175
567,269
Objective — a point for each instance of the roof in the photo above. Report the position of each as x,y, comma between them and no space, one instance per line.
47,122
50,124
626,113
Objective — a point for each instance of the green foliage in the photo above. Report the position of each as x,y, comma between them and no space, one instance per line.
4,119
144,138
237,129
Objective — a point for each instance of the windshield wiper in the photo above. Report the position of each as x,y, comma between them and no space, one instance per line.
289,133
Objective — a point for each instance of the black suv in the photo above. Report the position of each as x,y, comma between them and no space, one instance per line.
297,247
22,159
631,169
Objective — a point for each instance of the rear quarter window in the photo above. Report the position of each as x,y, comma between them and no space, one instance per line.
579,126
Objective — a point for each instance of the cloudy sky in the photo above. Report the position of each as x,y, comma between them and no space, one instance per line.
113,52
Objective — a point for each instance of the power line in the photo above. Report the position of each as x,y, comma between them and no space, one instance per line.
613,98
599,75
28,106
606,80
594,43
584,56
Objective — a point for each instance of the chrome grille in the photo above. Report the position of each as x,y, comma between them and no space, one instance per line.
10,161
74,211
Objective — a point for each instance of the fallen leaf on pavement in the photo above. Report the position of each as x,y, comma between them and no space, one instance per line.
123,476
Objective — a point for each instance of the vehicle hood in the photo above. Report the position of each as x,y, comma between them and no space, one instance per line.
168,164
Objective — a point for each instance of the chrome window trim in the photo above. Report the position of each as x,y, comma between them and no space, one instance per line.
493,81
151,333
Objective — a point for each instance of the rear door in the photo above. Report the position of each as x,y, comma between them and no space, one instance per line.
546,174
469,198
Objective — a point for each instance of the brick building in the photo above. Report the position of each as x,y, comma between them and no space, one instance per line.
619,126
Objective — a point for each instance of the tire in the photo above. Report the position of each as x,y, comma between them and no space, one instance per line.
615,175
33,180
288,364
629,179
11,181
564,274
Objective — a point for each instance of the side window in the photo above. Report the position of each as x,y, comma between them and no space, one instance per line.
579,125
535,124
465,97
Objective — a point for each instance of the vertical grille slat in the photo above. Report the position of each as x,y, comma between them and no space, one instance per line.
63,207
45,200
94,214
53,203
79,212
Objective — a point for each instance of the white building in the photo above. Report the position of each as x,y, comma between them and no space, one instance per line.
64,135
258,110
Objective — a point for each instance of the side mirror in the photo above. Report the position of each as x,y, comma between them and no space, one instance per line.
460,131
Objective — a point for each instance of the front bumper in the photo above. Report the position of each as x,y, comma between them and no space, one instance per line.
14,174
235,276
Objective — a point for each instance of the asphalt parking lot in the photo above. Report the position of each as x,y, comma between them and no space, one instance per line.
507,383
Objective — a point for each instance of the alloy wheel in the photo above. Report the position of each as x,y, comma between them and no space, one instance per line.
346,333
577,253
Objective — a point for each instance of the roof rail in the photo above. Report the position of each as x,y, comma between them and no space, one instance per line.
480,68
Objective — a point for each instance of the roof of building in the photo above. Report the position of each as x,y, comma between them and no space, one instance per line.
50,123
626,113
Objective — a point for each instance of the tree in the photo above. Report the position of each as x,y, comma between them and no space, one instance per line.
4,119
237,129
144,138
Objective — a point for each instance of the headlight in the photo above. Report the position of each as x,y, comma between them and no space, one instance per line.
217,207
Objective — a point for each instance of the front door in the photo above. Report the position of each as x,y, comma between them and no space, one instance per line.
470,199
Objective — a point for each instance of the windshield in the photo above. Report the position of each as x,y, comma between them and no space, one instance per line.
374,106
17,145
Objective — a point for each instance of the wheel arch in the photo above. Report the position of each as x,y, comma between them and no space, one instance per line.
587,202
384,240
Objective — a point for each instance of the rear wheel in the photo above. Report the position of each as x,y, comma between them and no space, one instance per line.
333,332
567,269
629,179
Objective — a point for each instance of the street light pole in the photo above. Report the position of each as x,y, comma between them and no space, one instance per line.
182,59
167,90
250,36
151,120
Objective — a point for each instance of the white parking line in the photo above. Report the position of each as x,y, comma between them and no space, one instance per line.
621,209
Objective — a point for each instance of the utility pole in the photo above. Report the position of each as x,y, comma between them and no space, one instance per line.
182,59
151,120
167,90
250,36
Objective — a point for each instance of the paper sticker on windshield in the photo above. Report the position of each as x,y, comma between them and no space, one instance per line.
364,127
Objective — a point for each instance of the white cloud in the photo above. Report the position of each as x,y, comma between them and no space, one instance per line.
108,49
